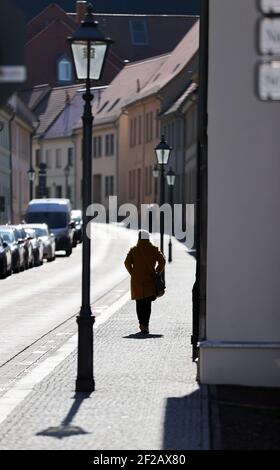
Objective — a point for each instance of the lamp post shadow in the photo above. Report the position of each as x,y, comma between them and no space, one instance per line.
66,429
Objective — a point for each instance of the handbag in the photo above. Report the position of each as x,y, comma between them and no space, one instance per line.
160,284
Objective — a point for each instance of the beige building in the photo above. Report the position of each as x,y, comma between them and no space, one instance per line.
121,155
16,129
23,123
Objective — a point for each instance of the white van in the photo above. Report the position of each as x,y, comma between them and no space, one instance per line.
56,213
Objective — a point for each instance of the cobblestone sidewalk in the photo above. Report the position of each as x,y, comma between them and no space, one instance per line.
146,394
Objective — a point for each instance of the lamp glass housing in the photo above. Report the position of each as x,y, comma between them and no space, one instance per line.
31,175
163,156
170,178
163,152
88,50
155,172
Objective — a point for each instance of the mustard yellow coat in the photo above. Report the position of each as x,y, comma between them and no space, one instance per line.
142,261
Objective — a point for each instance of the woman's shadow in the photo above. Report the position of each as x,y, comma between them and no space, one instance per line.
142,336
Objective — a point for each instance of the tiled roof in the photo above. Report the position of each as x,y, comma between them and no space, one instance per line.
173,65
50,105
163,33
175,106
132,77
70,116
33,96
22,111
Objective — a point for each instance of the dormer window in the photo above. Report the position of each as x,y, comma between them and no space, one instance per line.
139,32
64,70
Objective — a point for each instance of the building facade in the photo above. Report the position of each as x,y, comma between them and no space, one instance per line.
5,165
242,341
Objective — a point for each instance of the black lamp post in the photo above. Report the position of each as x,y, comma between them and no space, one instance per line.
67,173
31,177
171,181
89,47
163,153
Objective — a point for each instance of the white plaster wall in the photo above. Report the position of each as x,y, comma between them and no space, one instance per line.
243,287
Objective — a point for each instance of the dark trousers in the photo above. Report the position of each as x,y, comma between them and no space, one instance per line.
143,309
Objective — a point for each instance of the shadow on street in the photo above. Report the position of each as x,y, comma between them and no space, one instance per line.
183,416
141,336
65,429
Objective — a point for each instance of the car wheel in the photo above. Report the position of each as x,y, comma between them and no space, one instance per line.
4,272
68,252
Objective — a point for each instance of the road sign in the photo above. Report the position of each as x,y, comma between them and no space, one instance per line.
269,81
270,36
270,6
12,68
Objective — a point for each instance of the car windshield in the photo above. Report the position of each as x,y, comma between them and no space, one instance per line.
8,237
77,216
41,232
52,219
30,232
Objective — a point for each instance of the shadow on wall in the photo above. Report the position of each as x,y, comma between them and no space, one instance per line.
186,424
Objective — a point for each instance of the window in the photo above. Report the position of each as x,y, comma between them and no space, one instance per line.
58,158
147,127
70,156
138,32
48,158
146,181
151,125
109,186
37,157
157,124
52,219
2,204
140,130
97,146
58,191
133,132
109,144
64,70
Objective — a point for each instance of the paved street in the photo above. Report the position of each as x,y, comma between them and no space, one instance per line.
146,394
38,300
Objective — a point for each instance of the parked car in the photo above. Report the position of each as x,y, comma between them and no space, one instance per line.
37,246
10,236
22,238
56,213
5,259
77,219
48,240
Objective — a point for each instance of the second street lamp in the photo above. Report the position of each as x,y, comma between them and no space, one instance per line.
89,48
31,177
171,181
163,153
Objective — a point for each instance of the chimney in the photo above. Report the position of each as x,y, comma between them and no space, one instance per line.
138,85
81,8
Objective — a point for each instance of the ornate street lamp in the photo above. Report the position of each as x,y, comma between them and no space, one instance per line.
163,152
89,47
31,177
171,182
67,174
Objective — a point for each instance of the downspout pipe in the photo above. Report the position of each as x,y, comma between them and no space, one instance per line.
199,289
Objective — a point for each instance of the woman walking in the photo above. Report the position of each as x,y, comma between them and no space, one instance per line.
142,262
